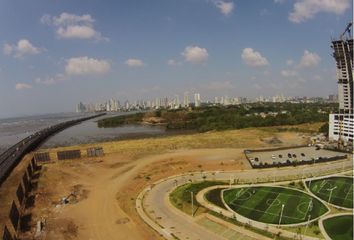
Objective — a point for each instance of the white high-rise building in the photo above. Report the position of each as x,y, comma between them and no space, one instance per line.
186,99
341,125
197,100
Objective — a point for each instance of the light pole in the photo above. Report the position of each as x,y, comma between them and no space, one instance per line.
330,194
192,204
308,221
281,214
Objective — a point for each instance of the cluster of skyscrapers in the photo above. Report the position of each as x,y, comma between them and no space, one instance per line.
114,105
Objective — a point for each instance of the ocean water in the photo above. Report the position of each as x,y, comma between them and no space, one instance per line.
13,130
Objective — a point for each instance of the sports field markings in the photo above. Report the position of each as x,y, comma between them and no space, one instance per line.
240,193
273,214
327,185
240,206
308,209
266,211
322,184
349,191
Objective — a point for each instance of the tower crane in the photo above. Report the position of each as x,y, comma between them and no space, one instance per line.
347,29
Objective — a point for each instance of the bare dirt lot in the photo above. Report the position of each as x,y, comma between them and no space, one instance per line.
101,191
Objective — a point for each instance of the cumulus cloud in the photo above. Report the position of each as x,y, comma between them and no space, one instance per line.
82,66
22,48
133,62
307,9
253,58
22,86
309,59
195,54
225,8
288,73
76,31
71,26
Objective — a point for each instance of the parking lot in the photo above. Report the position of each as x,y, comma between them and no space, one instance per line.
303,154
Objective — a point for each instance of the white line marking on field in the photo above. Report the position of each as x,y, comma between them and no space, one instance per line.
323,183
266,211
350,190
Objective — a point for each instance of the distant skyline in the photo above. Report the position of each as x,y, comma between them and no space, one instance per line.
55,54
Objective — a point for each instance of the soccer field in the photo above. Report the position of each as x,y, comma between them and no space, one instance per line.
341,188
340,227
264,204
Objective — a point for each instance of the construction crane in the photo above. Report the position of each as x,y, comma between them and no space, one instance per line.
347,29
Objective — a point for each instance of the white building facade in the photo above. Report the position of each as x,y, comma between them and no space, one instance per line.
341,124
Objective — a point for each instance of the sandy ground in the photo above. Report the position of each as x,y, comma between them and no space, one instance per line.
104,189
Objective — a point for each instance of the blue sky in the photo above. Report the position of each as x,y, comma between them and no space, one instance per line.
57,53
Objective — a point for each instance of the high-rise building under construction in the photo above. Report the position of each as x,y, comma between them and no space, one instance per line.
341,124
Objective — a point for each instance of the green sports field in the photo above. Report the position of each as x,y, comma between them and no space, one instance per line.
342,193
339,228
264,204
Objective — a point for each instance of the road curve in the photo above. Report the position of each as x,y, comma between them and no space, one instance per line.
155,209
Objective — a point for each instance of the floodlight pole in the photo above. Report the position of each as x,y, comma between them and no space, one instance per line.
307,224
330,194
230,182
192,204
281,214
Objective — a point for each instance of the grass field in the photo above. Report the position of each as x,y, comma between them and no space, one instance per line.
342,193
181,196
264,204
339,228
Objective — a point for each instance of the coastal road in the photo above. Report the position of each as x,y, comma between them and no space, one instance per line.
154,207
13,155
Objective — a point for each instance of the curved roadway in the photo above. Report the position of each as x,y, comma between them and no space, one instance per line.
154,207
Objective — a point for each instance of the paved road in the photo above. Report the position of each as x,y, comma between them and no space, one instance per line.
156,210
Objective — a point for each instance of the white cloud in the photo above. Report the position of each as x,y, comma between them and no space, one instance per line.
253,58
225,8
7,49
24,47
86,66
172,62
195,54
289,62
71,26
133,62
51,80
22,86
307,9
76,31
309,59
279,1
288,73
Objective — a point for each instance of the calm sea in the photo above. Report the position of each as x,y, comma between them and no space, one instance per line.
13,130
